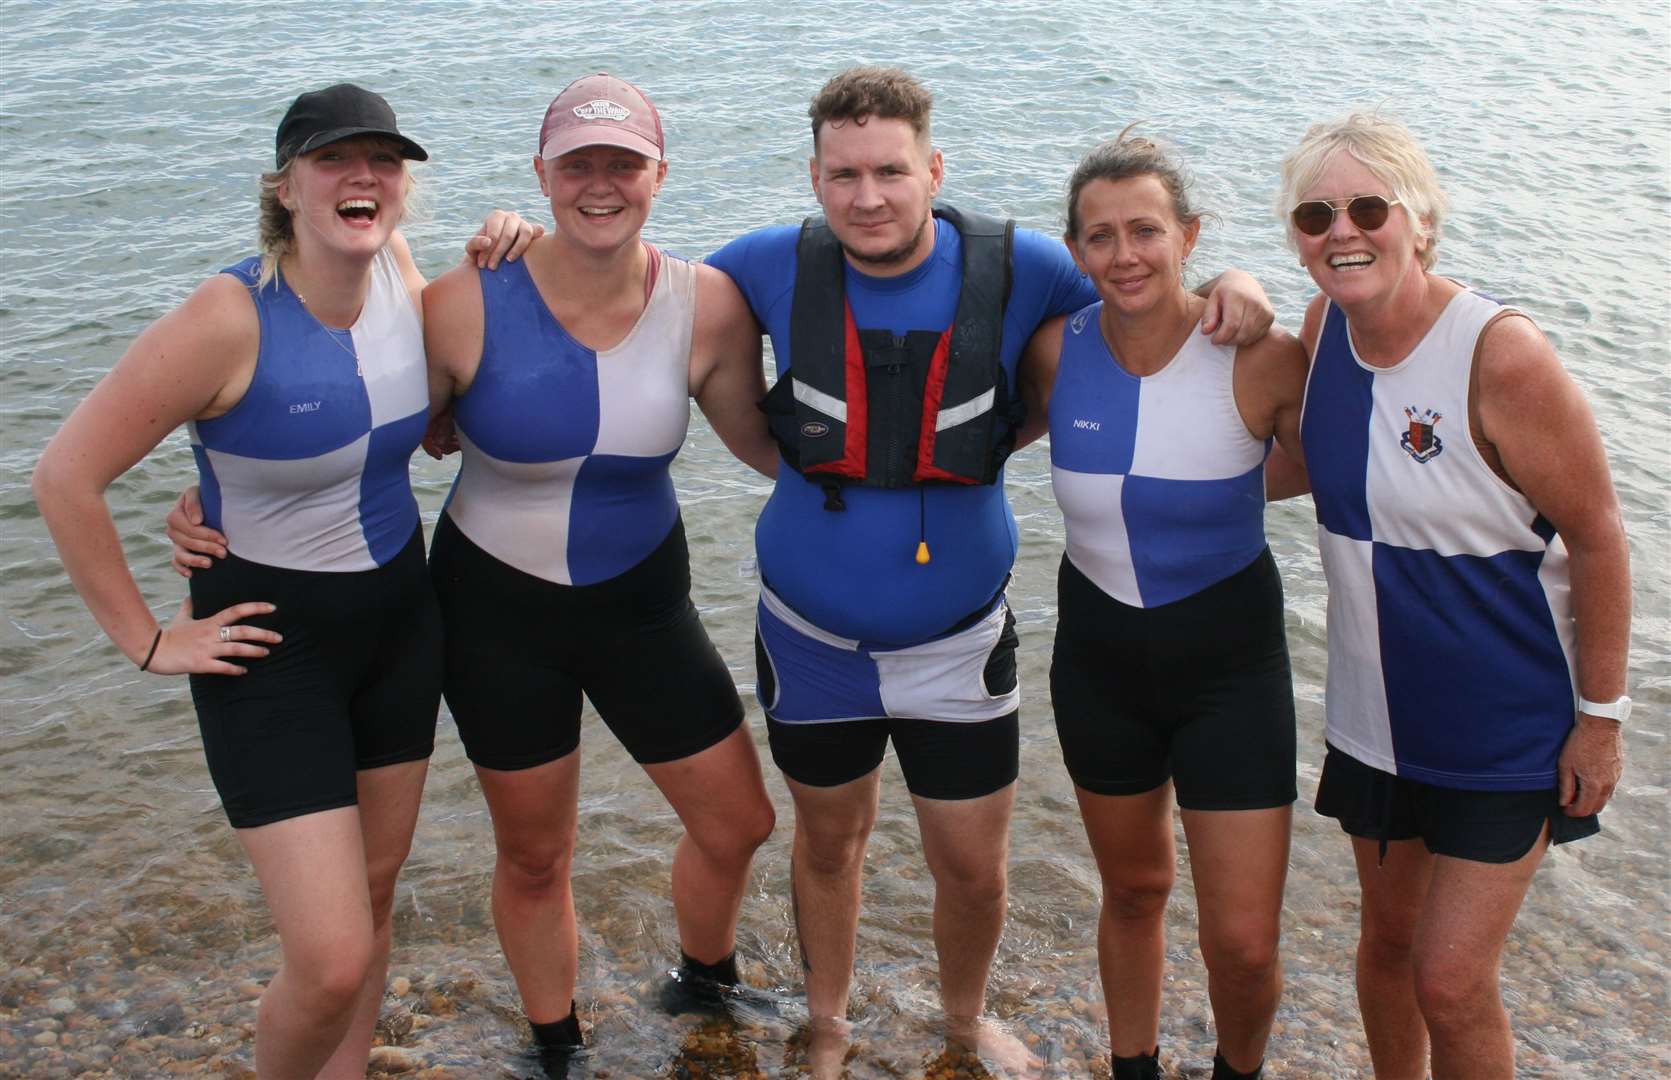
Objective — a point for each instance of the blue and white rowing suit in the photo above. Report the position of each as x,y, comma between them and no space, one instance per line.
566,448
1161,486
1450,620
308,471
560,562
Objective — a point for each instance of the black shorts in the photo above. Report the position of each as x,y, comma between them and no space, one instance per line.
941,759
522,650
1480,826
355,684
1198,691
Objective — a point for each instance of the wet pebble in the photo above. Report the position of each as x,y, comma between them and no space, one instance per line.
393,1059
165,1020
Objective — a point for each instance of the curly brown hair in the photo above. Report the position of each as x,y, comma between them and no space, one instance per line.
862,92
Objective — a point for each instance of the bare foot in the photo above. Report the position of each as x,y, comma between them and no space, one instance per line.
998,1050
827,1043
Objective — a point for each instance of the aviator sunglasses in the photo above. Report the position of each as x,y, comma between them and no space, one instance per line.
1368,212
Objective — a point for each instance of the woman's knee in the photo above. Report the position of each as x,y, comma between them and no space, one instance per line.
535,868
1137,896
1242,954
735,837
1453,990
326,975
832,847
382,875
1386,942
975,879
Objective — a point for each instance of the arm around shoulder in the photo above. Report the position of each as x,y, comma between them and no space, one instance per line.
1270,379
1238,311
1036,378
454,321
727,378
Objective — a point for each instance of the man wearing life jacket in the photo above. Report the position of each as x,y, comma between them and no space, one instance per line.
887,542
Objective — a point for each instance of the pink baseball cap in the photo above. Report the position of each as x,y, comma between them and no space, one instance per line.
601,110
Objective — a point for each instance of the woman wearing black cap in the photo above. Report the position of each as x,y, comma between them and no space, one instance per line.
300,374
560,560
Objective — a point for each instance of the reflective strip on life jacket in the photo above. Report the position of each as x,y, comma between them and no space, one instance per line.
854,413
848,388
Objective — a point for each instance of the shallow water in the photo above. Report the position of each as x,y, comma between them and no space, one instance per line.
132,937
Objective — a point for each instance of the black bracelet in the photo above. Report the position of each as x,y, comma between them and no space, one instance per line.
152,654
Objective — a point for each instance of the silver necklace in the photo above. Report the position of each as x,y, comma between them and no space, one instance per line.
331,332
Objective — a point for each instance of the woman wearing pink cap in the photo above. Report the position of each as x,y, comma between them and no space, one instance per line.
560,559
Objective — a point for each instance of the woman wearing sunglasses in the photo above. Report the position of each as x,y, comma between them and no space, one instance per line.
1479,596
1170,676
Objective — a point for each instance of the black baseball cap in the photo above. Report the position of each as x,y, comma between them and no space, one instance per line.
338,112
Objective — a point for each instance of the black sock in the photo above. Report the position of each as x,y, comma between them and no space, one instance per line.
1140,1067
1223,1071
722,971
561,1034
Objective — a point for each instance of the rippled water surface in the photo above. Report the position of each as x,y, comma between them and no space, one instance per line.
132,937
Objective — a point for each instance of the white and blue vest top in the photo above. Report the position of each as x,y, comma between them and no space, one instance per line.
308,471
566,448
1450,621
1161,485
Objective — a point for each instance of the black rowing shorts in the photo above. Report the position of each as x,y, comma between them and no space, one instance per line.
1198,691
522,650
355,684
1480,826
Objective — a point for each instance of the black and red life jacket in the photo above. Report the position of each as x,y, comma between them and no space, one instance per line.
883,410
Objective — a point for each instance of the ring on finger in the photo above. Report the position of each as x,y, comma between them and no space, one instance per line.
226,633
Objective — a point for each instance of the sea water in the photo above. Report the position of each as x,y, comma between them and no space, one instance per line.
133,939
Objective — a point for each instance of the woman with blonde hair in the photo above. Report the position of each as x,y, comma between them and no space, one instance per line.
315,663
1479,595
560,558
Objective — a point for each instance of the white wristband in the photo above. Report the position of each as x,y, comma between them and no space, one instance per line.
1610,710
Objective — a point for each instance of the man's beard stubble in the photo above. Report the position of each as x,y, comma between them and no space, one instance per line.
893,256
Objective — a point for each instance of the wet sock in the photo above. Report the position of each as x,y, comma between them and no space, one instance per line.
1140,1067
1223,1071
561,1034
722,971
699,987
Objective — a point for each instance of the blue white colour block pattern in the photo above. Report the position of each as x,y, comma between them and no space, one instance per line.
567,448
1450,620
1161,485
309,470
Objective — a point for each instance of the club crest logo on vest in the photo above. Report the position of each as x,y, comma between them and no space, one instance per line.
601,109
1079,320
1419,441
